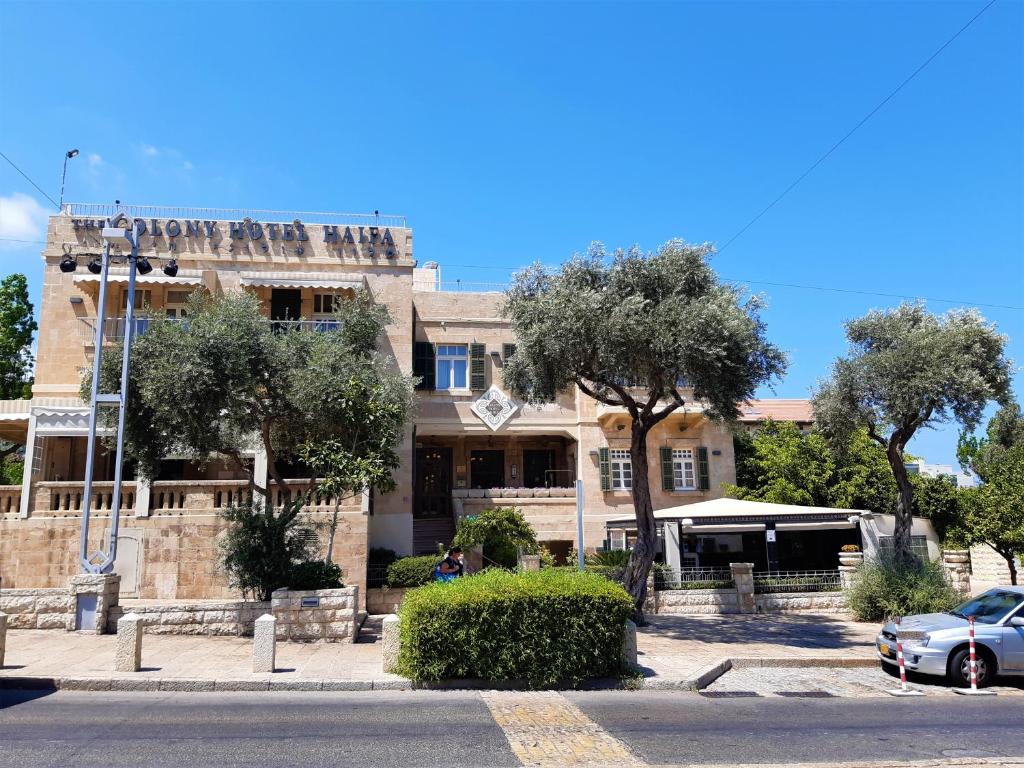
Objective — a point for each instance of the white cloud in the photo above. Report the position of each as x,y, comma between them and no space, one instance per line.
150,151
95,161
187,165
21,218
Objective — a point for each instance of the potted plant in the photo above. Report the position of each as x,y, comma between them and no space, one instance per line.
850,555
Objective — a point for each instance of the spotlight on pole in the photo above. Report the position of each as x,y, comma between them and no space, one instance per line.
68,264
95,266
72,153
143,266
171,268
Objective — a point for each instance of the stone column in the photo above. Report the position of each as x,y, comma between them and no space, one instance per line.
264,648
105,587
529,562
743,578
629,653
848,564
128,652
957,565
3,637
673,545
390,643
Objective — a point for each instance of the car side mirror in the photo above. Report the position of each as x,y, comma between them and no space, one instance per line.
1017,621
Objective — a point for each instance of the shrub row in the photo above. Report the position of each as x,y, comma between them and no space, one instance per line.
412,571
885,588
550,627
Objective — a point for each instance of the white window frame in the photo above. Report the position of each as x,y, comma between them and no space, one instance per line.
621,469
175,309
143,298
332,297
684,469
451,353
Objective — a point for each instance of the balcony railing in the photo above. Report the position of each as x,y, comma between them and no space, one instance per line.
96,211
114,327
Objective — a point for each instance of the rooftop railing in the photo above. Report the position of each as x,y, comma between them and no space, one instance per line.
102,211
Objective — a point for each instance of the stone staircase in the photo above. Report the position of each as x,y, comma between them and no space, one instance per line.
427,532
371,630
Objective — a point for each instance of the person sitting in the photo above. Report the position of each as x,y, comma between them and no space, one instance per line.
451,567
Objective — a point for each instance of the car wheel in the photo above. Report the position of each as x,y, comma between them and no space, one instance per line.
960,668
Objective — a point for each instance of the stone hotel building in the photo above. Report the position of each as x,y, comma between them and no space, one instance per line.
470,446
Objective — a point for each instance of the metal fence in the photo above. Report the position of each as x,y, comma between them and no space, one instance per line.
692,578
376,576
797,581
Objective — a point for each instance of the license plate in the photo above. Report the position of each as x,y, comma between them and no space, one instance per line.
884,648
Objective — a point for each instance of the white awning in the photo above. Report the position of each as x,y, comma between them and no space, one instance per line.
156,276
302,280
738,512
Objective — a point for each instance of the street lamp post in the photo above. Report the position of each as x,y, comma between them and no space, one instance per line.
67,156
113,234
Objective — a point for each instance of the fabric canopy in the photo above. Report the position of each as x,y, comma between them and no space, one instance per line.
302,280
750,511
121,276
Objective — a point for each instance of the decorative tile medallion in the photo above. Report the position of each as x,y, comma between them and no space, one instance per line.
494,408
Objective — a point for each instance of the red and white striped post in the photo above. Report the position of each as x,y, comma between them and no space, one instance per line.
974,663
903,690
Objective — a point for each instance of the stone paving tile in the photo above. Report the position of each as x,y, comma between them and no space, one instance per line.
844,682
545,730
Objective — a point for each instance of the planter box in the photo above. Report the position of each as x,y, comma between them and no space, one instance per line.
316,614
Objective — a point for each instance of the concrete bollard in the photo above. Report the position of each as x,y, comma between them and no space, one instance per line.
264,644
529,562
390,643
3,637
128,652
629,652
743,578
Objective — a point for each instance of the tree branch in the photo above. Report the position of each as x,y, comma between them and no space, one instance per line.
875,436
591,393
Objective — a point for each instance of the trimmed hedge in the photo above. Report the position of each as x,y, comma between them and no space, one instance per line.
884,588
551,627
412,571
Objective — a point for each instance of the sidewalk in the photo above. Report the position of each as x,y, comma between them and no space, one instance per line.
675,652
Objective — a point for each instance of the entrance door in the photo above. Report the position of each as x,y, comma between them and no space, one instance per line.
433,482
535,468
487,469
285,304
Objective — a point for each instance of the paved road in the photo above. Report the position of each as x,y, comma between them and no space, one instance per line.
429,728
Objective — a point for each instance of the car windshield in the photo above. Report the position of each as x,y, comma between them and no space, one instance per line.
989,607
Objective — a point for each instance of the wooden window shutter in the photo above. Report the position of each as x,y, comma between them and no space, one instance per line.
507,350
477,375
702,469
423,365
606,469
668,477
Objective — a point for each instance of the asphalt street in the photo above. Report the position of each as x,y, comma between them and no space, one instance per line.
433,728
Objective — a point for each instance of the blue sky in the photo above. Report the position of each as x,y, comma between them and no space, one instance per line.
514,132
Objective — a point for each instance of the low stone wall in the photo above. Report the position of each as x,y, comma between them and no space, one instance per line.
384,600
317,614
44,608
698,601
811,602
233,619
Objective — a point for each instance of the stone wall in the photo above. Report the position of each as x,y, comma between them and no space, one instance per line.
235,619
988,569
384,600
48,608
330,614
698,601
811,602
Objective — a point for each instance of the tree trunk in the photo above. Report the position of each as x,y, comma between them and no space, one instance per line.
904,505
642,557
334,528
1011,564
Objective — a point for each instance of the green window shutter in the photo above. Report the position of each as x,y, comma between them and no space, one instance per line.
423,365
477,376
668,477
702,469
507,350
606,469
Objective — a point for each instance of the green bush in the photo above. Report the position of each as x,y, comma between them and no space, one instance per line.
616,558
884,588
412,571
502,532
549,627
381,556
315,574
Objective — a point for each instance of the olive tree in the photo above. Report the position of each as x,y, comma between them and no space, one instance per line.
228,381
638,331
907,370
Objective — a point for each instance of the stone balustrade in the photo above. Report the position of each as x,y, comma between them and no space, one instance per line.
10,499
53,496
514,493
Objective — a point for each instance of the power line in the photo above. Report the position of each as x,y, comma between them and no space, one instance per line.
55,204
875,293
16,240
853,130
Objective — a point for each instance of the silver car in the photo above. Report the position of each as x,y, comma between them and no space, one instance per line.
936,643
